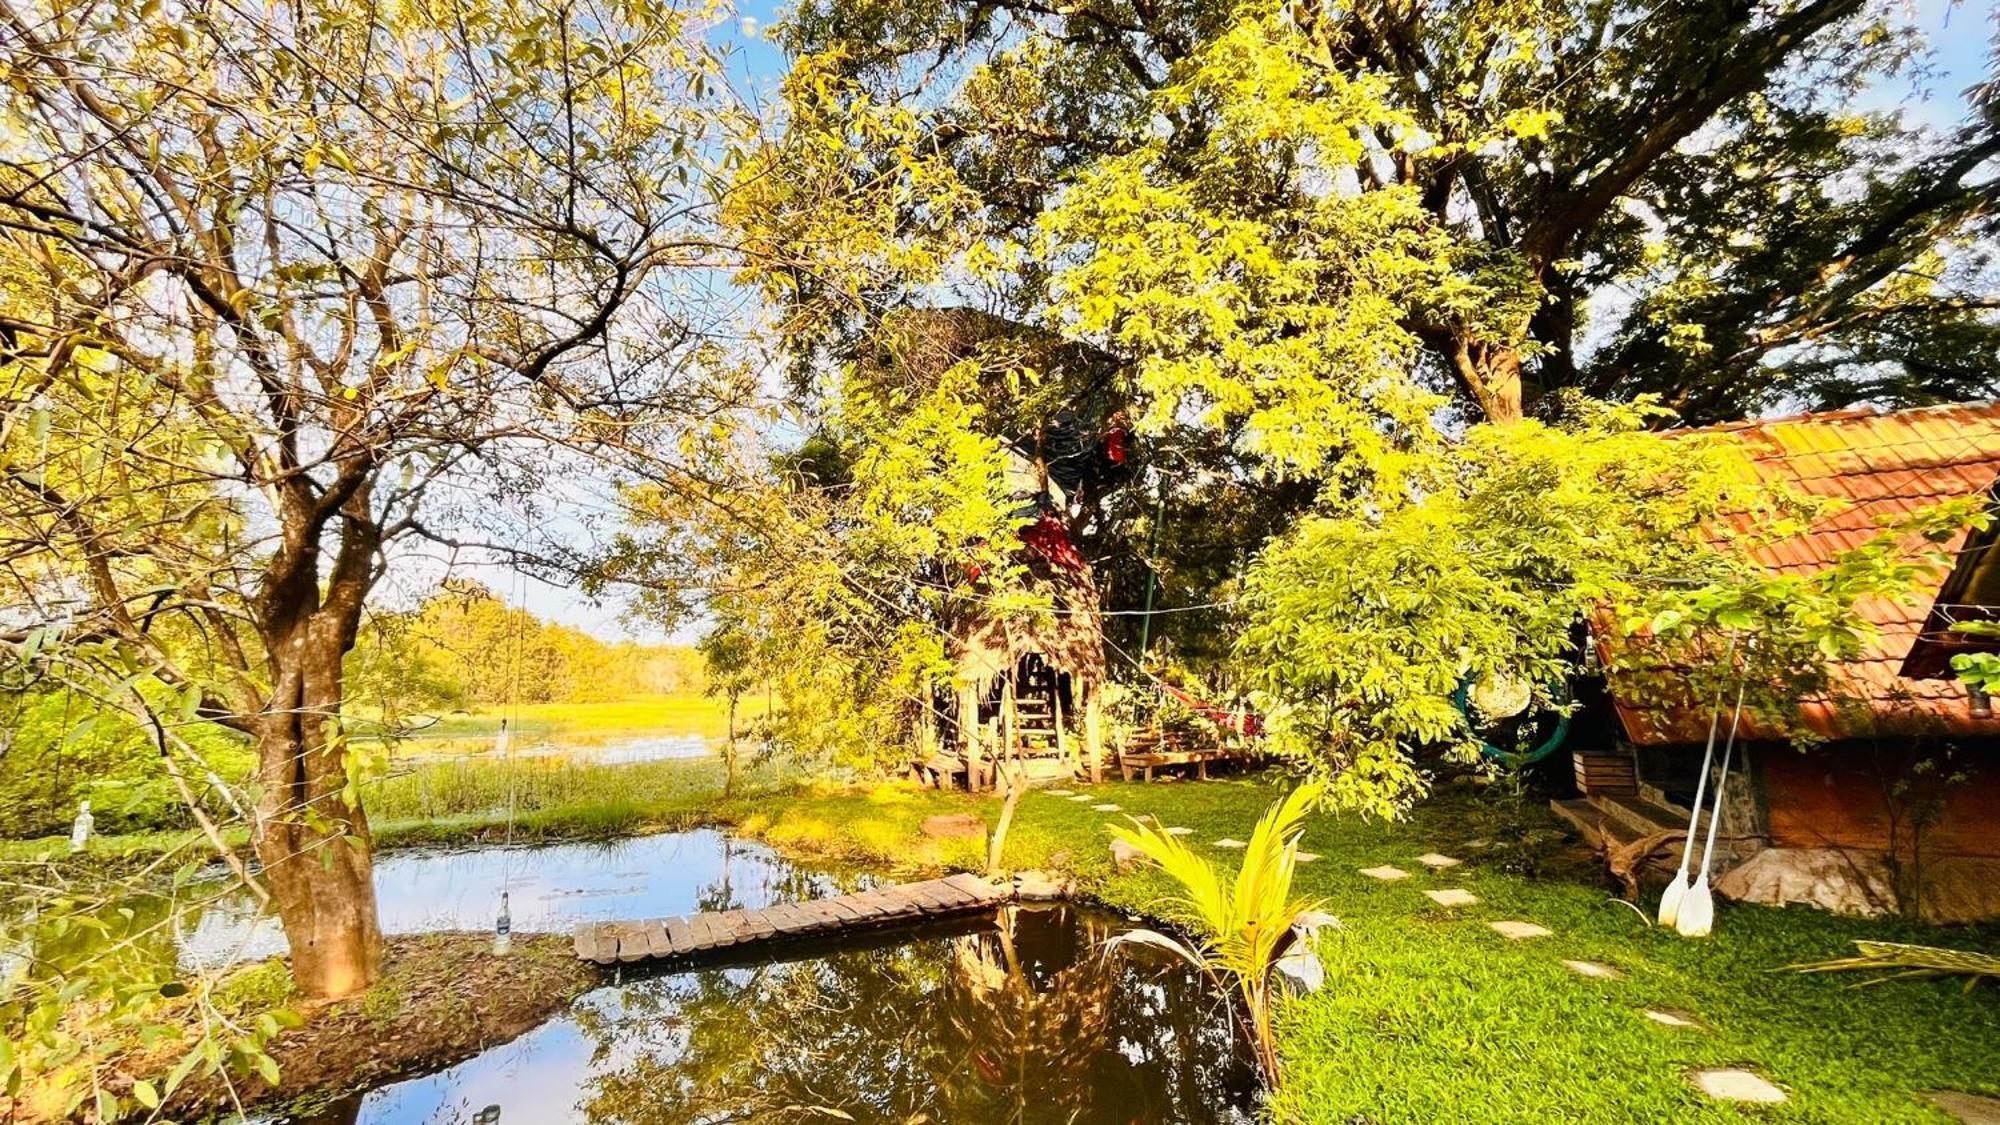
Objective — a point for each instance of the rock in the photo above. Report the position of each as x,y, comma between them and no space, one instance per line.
1306,857
1105,808
1179,831
1829,878
949,825
1231,843
1453,897
1734,1085
1594,969
1437,862
1519,931
1970,1109
1125,857
1385,873
1039,886
1672,1019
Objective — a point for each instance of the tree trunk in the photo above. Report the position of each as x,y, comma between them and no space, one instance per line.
729,755
316,849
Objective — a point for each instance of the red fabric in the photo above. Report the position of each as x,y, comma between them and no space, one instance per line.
1114,446
1243,722
1050,539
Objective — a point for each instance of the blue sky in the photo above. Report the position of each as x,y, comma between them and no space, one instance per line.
1959,34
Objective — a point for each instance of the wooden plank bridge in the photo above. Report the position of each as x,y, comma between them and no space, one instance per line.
685,937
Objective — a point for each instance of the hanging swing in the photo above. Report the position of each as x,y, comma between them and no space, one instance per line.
1493,703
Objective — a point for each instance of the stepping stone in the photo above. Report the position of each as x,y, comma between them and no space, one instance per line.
1082,798
1306,857
1177,830
1437,862
1733,1085
1672,1019
1062,792
1595,969
1386,874
1519,930
1231,843
1969,1109
1479,845
1105,808
1452,897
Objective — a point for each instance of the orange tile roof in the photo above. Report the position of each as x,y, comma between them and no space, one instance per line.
1883,465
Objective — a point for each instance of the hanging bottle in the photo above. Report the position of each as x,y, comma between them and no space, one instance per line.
79,830
503,928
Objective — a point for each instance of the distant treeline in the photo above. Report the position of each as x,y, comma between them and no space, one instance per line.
464,648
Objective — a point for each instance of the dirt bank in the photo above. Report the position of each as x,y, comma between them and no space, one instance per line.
442,998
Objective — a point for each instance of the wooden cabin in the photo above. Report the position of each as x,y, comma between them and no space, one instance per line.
1899,807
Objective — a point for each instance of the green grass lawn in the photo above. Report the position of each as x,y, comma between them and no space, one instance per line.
1430,1016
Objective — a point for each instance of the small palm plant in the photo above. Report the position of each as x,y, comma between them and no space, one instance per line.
1242,927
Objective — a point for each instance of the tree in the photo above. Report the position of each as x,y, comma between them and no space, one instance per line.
1348,246
1619,198
282,282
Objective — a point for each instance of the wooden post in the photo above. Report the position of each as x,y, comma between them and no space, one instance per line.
927,741
1008,747
1055,709
1093,732
968,731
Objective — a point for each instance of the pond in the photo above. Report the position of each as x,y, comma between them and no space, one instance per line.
1018,1018
1015,1016
549,889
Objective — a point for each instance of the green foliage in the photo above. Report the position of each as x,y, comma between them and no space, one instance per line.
1243,924
62,747
1367,617
836,593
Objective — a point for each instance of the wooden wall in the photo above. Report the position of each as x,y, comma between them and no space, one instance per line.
1834,797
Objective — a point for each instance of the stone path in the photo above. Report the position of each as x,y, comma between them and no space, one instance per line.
1306,857
682,937
1731,1084
1969,1109
1721,1084
1105,808
1231,843
1179,831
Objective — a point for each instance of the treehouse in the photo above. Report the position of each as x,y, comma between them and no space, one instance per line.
1897,802
1025,693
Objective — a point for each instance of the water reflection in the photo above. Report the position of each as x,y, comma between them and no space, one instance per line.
550,889
1020,1020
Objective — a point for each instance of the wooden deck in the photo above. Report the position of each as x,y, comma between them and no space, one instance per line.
702,935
